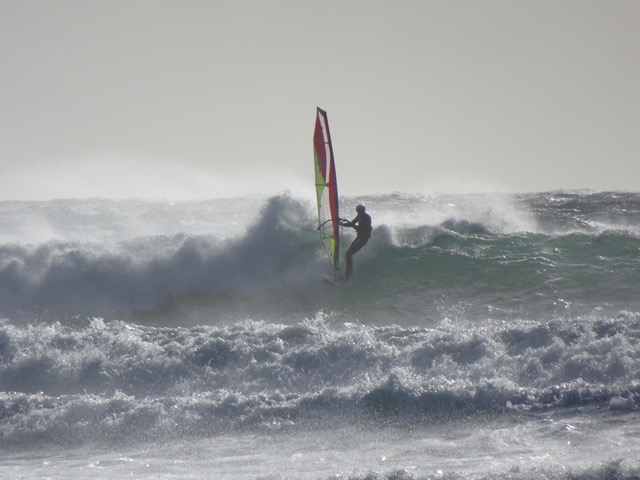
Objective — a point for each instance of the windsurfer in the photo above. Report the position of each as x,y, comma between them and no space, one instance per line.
362,226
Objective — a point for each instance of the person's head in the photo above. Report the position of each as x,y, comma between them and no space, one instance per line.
360,208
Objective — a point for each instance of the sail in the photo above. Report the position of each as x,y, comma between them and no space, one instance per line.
327,190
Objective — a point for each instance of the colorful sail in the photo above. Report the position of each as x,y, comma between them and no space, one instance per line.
327,190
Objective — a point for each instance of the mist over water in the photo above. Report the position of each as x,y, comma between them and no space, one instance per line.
483,336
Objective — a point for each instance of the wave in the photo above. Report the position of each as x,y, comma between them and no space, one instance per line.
109,381
272,265
82,278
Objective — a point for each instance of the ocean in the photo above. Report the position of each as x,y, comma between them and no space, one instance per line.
483,336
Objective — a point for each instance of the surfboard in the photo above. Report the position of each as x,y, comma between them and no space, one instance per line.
339,283
326,184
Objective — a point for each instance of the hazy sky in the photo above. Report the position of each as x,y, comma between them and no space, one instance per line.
184,98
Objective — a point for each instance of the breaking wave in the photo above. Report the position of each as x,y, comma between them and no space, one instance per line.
108,381
472,258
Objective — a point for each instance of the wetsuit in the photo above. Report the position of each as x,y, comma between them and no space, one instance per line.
362,225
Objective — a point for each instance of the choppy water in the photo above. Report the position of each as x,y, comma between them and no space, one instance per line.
483,336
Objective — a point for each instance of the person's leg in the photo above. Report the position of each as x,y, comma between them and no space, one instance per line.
355,246
347,274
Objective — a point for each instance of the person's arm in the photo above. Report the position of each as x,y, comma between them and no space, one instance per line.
355,223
